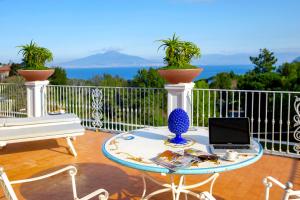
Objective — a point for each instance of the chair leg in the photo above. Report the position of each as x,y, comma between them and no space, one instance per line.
71,146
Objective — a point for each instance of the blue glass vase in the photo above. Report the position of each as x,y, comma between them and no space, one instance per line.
178,139
178,123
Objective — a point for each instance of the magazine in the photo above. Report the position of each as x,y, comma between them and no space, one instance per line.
200,156
173,160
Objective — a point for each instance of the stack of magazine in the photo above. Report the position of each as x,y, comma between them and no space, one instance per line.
183,159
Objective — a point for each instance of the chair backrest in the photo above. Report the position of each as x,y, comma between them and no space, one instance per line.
7,188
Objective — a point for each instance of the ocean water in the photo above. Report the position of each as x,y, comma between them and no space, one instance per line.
129,72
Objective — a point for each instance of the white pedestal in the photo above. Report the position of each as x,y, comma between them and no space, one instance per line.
36,98
180,96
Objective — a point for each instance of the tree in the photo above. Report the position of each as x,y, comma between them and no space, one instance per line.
59,77
262,81
14,69
107,80
290,73
264,62
224,80
201,84
148,78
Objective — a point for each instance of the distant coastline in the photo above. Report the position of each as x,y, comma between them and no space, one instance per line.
128,73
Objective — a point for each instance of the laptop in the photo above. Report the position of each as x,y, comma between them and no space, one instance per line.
230,134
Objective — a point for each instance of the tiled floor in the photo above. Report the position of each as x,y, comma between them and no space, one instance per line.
95,171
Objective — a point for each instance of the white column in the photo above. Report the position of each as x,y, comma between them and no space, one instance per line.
36,98
180,96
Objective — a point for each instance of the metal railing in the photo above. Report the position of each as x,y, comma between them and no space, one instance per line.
110,108
274,115
12,100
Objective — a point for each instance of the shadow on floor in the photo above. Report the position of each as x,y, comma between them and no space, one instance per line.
90,177
50,144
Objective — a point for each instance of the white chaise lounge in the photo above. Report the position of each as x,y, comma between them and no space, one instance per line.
14,130
11,195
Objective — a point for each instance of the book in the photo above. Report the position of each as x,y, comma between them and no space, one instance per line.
173,161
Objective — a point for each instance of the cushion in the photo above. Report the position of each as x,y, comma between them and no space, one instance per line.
13,133
41,120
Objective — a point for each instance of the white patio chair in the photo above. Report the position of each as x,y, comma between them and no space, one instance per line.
10,194
206,196
289,193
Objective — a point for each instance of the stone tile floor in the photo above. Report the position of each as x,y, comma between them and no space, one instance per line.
30,159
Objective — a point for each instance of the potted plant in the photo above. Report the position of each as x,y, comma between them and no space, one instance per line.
34,59
179,55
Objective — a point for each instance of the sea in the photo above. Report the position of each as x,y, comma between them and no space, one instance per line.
129,73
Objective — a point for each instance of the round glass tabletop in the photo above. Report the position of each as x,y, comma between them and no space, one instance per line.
135,149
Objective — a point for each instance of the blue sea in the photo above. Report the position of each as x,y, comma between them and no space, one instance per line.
129,72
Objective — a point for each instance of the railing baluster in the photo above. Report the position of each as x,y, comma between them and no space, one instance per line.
197,107
252,108
208,104
203,108
266,120
215,101
226,104
258,119
232,106
273,120
239,109
221,103
288,124
246,105
280,122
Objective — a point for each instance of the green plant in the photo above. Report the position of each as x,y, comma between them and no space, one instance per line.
59,77
34,56
179,54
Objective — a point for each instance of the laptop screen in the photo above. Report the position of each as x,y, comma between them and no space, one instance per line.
229,131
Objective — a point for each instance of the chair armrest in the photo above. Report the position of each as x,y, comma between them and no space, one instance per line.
206,196
269,180
70,169
98,193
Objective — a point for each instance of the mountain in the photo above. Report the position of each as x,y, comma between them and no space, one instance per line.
297,59
108,59
117,59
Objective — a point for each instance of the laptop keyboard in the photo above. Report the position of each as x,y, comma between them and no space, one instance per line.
231,147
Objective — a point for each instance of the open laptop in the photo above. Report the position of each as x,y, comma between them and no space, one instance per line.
230,134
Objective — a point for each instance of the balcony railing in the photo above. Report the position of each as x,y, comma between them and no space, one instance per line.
274,115
110,108
12,100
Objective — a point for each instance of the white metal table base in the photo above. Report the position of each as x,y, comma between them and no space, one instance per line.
176,189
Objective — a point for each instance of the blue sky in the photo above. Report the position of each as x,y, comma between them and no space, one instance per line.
76,28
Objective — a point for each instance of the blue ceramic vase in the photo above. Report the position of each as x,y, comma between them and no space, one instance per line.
178,123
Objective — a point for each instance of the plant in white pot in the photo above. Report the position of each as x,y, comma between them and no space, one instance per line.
179,55
34,60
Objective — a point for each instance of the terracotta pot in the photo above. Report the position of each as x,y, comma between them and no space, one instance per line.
36,75
175,76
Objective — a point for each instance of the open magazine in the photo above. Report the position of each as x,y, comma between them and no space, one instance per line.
180,160
173,160
200,156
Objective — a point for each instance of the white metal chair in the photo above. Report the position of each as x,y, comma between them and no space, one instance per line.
206,196
10,194
289,193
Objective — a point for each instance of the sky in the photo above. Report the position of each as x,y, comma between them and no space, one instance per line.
77,28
